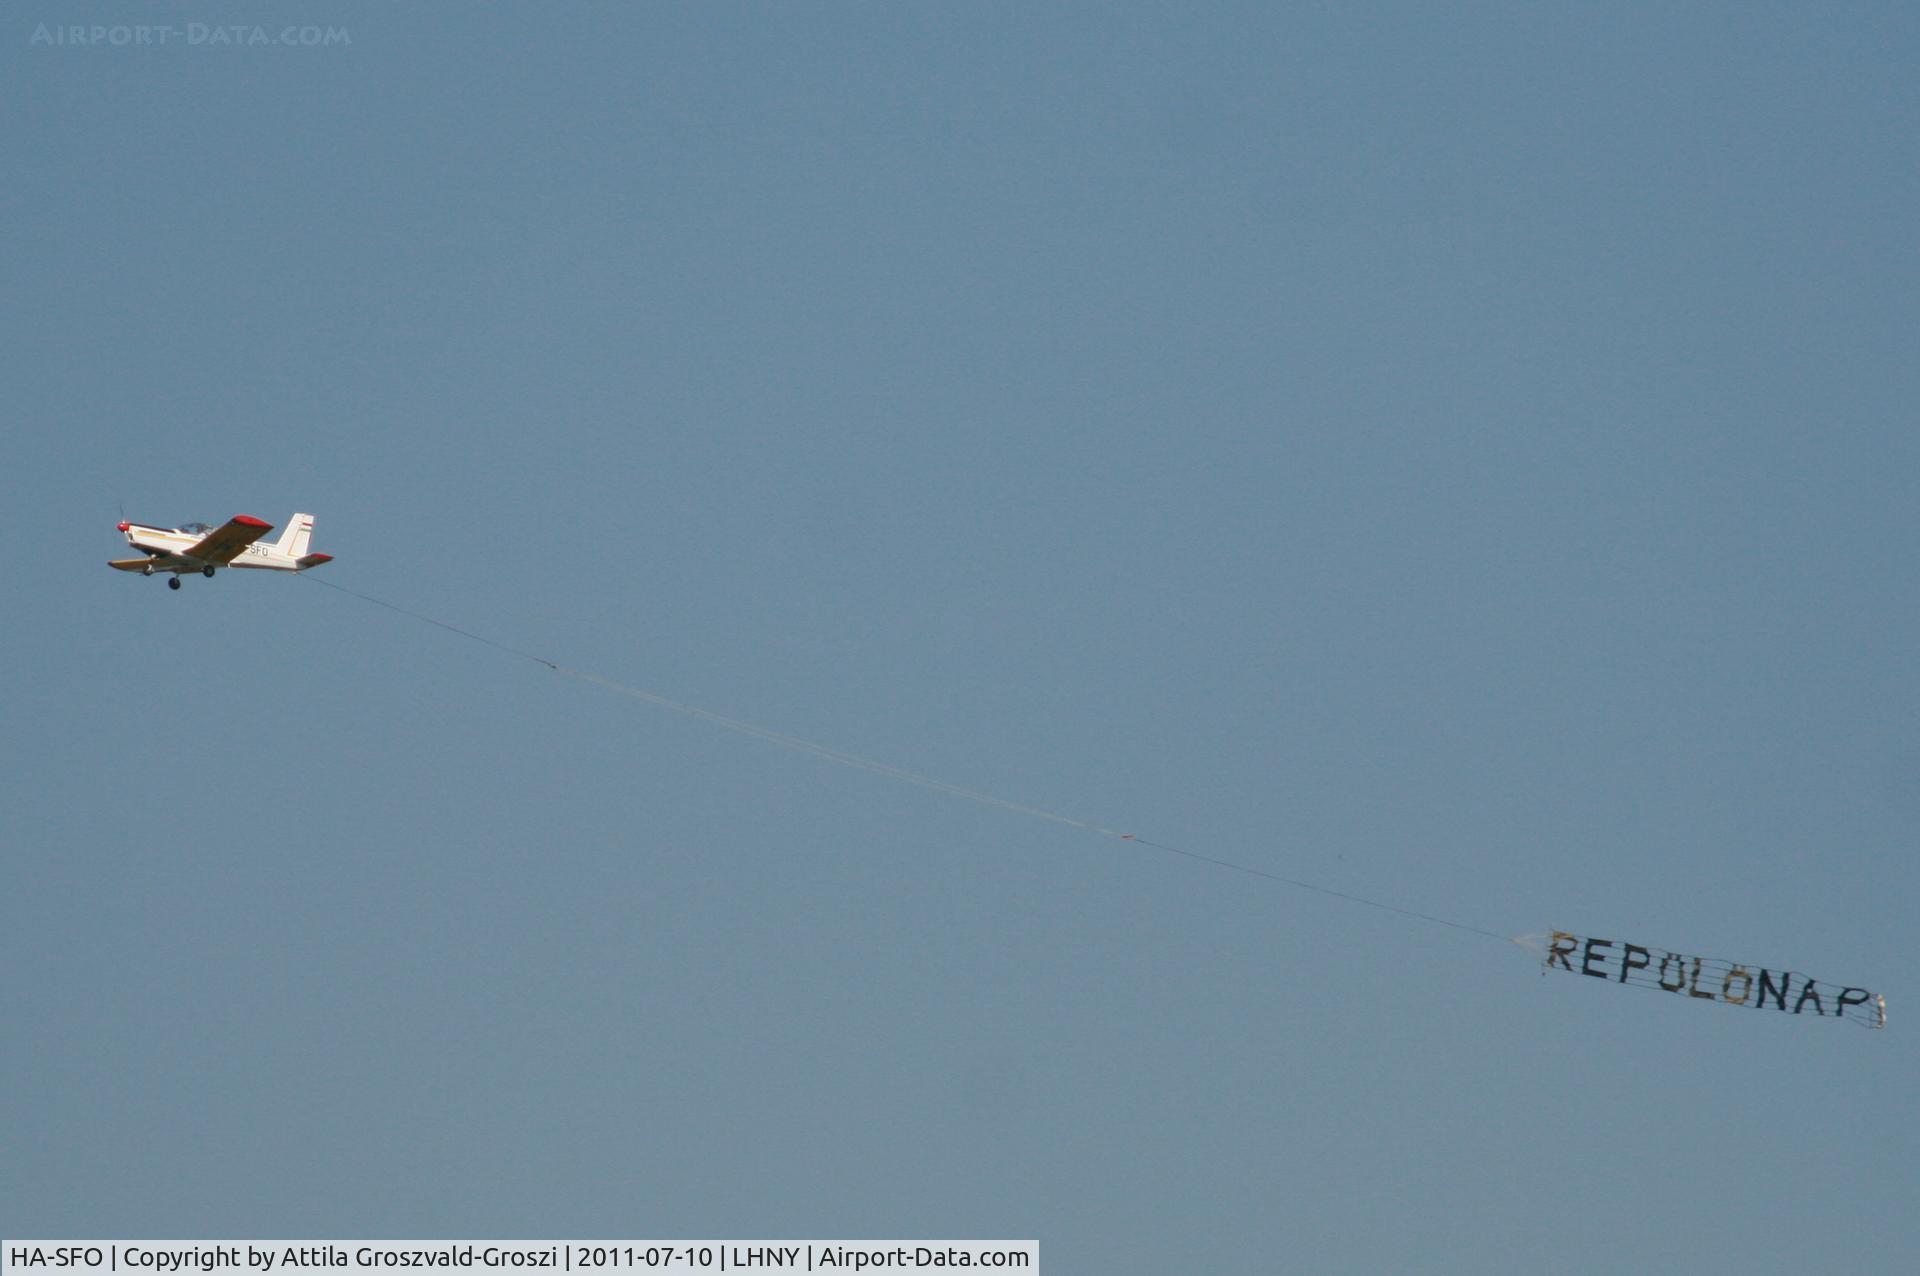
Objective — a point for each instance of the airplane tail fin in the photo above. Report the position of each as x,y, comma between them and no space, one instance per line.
293,541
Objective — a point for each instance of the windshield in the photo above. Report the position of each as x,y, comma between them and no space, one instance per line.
193,527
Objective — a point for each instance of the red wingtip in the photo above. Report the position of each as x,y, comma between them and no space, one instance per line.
248,520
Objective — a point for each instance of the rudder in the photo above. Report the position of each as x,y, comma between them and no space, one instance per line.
293,541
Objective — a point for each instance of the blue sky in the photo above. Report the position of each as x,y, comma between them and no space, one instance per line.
1463,459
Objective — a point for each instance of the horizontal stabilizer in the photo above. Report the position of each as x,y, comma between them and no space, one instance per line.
312,560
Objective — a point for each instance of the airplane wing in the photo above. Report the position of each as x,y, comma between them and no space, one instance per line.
223,544
130,564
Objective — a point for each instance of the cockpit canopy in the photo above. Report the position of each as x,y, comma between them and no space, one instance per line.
199,529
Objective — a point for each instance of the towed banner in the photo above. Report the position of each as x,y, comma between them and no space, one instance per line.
1712,979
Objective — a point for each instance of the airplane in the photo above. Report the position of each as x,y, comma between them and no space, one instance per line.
196,547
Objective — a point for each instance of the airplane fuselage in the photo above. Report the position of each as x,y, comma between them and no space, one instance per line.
168,548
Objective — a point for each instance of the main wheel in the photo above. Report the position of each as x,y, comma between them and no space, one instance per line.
174,583
207,572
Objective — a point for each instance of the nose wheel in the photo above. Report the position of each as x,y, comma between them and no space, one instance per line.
174,583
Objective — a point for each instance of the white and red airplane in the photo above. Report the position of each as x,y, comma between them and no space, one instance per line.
195,547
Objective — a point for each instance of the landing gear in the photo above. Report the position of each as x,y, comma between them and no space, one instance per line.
174,583
147,570
207,572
